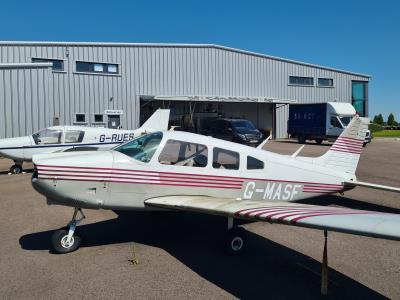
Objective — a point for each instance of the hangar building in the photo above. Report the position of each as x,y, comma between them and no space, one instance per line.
121,84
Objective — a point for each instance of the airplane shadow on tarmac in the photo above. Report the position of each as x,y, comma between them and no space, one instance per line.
266,269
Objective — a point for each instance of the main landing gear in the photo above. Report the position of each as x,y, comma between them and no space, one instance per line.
16,168
65,241
235,241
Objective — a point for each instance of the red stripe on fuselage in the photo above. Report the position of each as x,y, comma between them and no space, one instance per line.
191,174
137,176
142,179
145,183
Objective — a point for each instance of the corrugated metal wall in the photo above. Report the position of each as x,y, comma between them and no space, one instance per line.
25,103
158,70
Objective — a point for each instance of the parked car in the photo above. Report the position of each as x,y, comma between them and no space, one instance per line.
236,130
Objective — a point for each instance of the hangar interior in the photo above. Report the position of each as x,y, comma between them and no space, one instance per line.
195,115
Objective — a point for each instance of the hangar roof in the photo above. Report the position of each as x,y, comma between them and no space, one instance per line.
44,43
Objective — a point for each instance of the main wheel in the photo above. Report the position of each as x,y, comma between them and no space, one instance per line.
60,243
235,241
16,169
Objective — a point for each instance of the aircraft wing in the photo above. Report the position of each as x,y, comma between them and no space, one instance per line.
373,186
359,222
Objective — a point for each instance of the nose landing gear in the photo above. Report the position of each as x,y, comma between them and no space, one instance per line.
65,241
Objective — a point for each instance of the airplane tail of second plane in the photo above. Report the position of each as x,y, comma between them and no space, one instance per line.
345,152
158,121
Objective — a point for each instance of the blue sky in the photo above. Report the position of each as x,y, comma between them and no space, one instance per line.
361,36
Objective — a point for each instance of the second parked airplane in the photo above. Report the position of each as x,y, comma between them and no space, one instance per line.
67,138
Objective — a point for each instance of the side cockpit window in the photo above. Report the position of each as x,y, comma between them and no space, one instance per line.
142,148
225,159
180,153
73,136
47,136
254,163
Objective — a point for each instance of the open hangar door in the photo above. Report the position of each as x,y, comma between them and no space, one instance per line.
193,113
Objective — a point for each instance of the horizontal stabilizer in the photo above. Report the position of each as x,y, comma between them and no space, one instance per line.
373,186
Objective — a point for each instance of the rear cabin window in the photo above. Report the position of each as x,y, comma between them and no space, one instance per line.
254,163
225,159
73,136
180,153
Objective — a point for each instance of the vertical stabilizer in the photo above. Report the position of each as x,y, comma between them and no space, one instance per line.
157,122
345,152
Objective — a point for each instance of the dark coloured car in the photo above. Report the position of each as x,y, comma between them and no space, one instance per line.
236,130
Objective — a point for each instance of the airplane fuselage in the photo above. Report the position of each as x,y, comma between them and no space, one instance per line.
23,148
114,180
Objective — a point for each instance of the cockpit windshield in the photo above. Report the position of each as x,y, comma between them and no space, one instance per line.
142,148
345,120
47,136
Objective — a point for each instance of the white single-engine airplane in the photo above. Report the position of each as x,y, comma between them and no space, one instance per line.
190,172
67,138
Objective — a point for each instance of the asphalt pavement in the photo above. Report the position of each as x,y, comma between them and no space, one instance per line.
180,255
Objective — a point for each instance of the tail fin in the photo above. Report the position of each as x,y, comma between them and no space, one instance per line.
158,121
345,152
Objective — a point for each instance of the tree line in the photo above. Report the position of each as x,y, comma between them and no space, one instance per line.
378,119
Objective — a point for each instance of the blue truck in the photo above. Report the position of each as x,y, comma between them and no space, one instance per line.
320,121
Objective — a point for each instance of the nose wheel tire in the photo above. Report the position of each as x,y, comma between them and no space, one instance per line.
16,169
235,241
65,241
61,244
